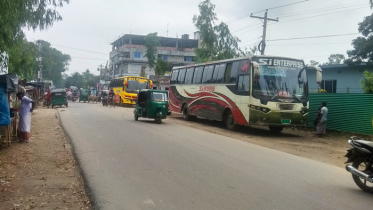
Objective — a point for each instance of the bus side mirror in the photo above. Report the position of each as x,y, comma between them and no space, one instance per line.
255,67
318,76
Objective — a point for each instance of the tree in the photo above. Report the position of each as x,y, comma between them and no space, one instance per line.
54,62
217,41
161,67
22,59
33,14
363,46
314,63
335,59
250,52
82,80
367,82
151,43
143,72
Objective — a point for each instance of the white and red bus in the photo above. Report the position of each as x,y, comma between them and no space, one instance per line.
266,90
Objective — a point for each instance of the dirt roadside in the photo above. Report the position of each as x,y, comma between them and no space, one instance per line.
41,174
329,149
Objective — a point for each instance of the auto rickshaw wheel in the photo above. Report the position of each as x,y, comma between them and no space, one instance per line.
158,120
67,105
136,117
52,106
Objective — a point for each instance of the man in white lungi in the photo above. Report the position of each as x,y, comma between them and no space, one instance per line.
321,125
24,126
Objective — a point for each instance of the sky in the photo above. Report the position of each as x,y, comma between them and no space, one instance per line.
89,26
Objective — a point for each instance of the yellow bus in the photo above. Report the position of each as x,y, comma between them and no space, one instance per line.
126,88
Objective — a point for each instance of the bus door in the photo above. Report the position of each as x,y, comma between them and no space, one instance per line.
243,84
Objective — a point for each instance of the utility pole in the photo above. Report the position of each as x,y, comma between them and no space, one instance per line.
262,44
40,73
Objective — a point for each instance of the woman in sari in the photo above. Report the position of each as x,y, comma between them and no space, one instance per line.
24,126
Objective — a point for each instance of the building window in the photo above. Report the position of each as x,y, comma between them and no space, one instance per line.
329,85
137,55
164,57
188,58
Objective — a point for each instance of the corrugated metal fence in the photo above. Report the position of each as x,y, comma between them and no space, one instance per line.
347,112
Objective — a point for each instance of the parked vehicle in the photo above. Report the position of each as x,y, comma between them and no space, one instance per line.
151,104
84,94
361,157
262,90
58,97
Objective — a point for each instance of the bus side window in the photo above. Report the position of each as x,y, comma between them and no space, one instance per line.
174,76
234,72
227,74
243,83
215,74
181,76
207,74
197,77
221,73
189,76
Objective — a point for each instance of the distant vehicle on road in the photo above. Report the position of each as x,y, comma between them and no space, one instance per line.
58,97
266,90
84,95
126,88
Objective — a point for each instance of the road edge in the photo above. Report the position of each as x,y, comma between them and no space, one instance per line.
87,187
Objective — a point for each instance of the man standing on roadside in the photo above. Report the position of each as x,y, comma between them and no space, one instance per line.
24,126
321,125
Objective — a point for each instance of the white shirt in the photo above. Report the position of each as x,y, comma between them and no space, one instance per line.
26,105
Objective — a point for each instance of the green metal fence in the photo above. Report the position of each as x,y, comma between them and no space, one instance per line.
347,112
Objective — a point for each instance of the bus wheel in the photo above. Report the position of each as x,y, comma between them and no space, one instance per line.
186,115
229,121
276,129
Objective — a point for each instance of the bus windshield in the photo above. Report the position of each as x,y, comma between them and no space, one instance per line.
274,83
135,85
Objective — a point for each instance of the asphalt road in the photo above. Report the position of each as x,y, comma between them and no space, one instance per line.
143,165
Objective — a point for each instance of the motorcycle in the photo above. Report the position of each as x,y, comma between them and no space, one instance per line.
104,101
361,157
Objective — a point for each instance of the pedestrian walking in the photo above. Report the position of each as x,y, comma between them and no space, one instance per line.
321,125
24,126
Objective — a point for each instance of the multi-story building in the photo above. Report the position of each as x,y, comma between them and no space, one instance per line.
128,53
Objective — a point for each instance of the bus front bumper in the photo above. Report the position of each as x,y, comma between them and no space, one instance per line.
286,119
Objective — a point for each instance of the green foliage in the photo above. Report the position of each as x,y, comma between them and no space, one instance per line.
367,82
363,46
82,80
143,72
161,67
314,63
54,62
33,14
151,43
335,59
217,41
22,58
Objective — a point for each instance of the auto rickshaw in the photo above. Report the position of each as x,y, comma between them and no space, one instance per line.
58,97
84,95
151,104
